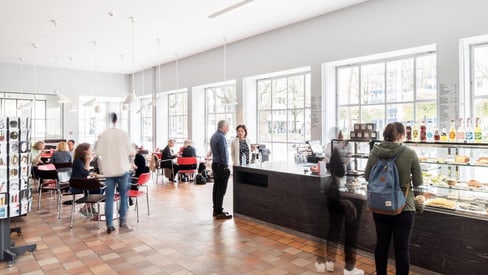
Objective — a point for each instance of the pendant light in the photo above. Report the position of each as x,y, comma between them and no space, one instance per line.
125,106
143,92
154,102
227,100
172,105
61,97
92,102
132,96
73,107
29,104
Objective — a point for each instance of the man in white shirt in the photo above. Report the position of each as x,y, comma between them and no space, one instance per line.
114,149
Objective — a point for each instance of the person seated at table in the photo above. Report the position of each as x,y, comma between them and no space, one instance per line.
139,167
36,152
167,156
188,151
81,170
61,155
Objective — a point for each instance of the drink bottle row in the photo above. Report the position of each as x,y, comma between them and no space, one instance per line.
462,133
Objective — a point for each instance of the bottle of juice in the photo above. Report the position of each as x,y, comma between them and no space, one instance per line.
478,134
452,131
460,131
437,135
430,131
415,132
423,132
444,135
408,130
468,131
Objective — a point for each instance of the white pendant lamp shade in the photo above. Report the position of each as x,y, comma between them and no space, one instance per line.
228,101
90,103
154,102
140,109
130,98
62,98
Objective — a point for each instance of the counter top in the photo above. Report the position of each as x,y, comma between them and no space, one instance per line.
284,167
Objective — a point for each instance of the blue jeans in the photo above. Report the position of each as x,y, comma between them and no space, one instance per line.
122,184
400,228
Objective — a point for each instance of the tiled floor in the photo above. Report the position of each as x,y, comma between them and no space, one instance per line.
179,237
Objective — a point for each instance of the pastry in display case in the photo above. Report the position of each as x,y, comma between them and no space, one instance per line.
453,176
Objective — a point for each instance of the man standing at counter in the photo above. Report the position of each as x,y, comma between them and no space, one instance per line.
220,169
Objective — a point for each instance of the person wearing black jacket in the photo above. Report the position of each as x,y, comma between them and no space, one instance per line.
341,211
167,156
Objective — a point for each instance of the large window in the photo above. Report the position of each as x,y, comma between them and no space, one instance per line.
178,116
398,89
93,120
146,124
479,81
284,112
220,105
42,107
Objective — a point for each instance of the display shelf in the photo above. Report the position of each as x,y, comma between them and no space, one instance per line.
453,176
15,189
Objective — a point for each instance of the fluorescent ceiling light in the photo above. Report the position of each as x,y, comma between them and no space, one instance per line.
229,9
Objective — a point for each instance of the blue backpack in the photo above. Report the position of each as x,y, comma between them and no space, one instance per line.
384,193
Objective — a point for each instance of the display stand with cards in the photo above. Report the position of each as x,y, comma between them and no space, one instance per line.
15,189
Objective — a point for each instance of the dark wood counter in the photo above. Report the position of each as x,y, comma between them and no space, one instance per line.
443,242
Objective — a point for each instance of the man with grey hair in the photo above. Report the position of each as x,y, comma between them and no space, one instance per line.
220,169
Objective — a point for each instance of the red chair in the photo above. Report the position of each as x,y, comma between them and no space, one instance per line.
142,181
188,161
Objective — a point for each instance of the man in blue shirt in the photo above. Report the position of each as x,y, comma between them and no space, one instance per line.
220,169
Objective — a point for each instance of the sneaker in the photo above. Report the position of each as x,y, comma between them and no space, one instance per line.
320,267
354,271
329,266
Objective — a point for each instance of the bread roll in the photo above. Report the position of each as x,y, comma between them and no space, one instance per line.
461,159
451,182
474,183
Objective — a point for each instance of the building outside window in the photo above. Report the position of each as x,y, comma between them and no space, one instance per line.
479,77
284,113
402,89
178,116
221,104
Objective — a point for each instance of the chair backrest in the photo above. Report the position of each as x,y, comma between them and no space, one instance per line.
64,175
143,178
47,171
187,160
84,184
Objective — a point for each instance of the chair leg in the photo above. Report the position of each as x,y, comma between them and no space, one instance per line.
73,207
39,197
147,200
98,216
58,202
137,209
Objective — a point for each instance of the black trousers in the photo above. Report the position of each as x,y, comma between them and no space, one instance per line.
221,177
343,212
399,228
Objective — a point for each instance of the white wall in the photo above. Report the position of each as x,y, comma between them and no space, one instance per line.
372,27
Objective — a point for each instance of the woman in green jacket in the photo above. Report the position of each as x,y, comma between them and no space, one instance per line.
399,226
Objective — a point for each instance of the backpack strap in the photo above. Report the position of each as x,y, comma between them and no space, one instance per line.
394,160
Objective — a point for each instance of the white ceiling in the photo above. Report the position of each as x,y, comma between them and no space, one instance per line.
183,27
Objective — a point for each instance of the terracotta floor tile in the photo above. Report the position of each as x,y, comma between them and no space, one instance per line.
180,237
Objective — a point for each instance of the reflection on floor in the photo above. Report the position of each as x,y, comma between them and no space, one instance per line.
179,237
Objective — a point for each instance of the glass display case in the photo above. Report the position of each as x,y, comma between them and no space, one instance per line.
454,176
355,155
